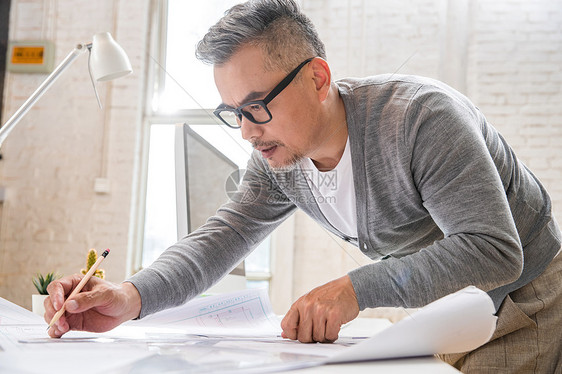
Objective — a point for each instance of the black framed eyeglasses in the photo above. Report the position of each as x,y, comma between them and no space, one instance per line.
256,110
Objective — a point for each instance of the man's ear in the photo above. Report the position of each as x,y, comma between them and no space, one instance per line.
322,77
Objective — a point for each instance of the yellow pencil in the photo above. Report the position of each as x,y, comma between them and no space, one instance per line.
79,287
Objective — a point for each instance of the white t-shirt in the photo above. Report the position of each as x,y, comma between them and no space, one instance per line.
334,192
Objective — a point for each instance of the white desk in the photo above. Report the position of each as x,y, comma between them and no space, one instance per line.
420,365
163,343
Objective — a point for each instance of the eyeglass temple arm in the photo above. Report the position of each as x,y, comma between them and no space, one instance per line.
285,82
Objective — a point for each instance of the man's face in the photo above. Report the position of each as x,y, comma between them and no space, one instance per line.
290,135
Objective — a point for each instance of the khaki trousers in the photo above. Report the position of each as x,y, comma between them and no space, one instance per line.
528,337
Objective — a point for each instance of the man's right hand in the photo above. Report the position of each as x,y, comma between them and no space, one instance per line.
99,307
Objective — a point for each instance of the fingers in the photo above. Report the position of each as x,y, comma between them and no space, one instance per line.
58,291
87,300
303,322
304,329
290,324
56,332
318,329
312,327
56,295
52,304
60,288
332,330
60,327
318,315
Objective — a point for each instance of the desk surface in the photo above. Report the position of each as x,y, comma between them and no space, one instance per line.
144,348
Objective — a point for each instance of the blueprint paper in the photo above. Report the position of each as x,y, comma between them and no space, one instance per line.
12,314
240,313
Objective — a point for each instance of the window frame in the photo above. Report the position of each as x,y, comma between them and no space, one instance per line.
152,115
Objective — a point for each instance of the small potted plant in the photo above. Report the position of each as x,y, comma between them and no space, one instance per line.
41,284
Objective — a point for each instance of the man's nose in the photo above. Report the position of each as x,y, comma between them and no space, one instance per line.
249,129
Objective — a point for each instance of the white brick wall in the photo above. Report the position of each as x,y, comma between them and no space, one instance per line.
51,215
373,37
515,77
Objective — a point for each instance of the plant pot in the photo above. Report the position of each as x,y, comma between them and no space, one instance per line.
37,305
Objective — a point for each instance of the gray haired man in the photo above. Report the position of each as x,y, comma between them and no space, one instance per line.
425,183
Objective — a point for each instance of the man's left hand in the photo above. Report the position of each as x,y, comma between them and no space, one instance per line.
318,315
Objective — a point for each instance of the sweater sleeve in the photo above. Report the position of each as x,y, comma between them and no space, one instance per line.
461,189
199,260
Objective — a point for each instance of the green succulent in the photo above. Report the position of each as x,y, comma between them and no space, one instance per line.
41,282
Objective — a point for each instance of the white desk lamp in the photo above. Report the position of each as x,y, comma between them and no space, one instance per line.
107,61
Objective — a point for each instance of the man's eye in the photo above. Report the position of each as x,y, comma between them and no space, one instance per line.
254,107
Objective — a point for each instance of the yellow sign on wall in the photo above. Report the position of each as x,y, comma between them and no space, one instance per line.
30,57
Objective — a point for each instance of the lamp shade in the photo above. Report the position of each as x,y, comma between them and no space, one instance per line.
108,60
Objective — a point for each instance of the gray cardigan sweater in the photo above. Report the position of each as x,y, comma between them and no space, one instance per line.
441,199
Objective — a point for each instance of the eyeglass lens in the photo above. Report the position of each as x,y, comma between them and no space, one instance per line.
256,111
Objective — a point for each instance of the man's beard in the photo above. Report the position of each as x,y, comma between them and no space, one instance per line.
284,165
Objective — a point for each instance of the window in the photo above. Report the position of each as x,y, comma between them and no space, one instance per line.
184,92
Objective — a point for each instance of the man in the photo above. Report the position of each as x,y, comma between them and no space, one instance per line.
424,183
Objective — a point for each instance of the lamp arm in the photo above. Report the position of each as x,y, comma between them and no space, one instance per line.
17,116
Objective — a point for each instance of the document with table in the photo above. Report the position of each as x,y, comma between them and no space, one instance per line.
238,332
